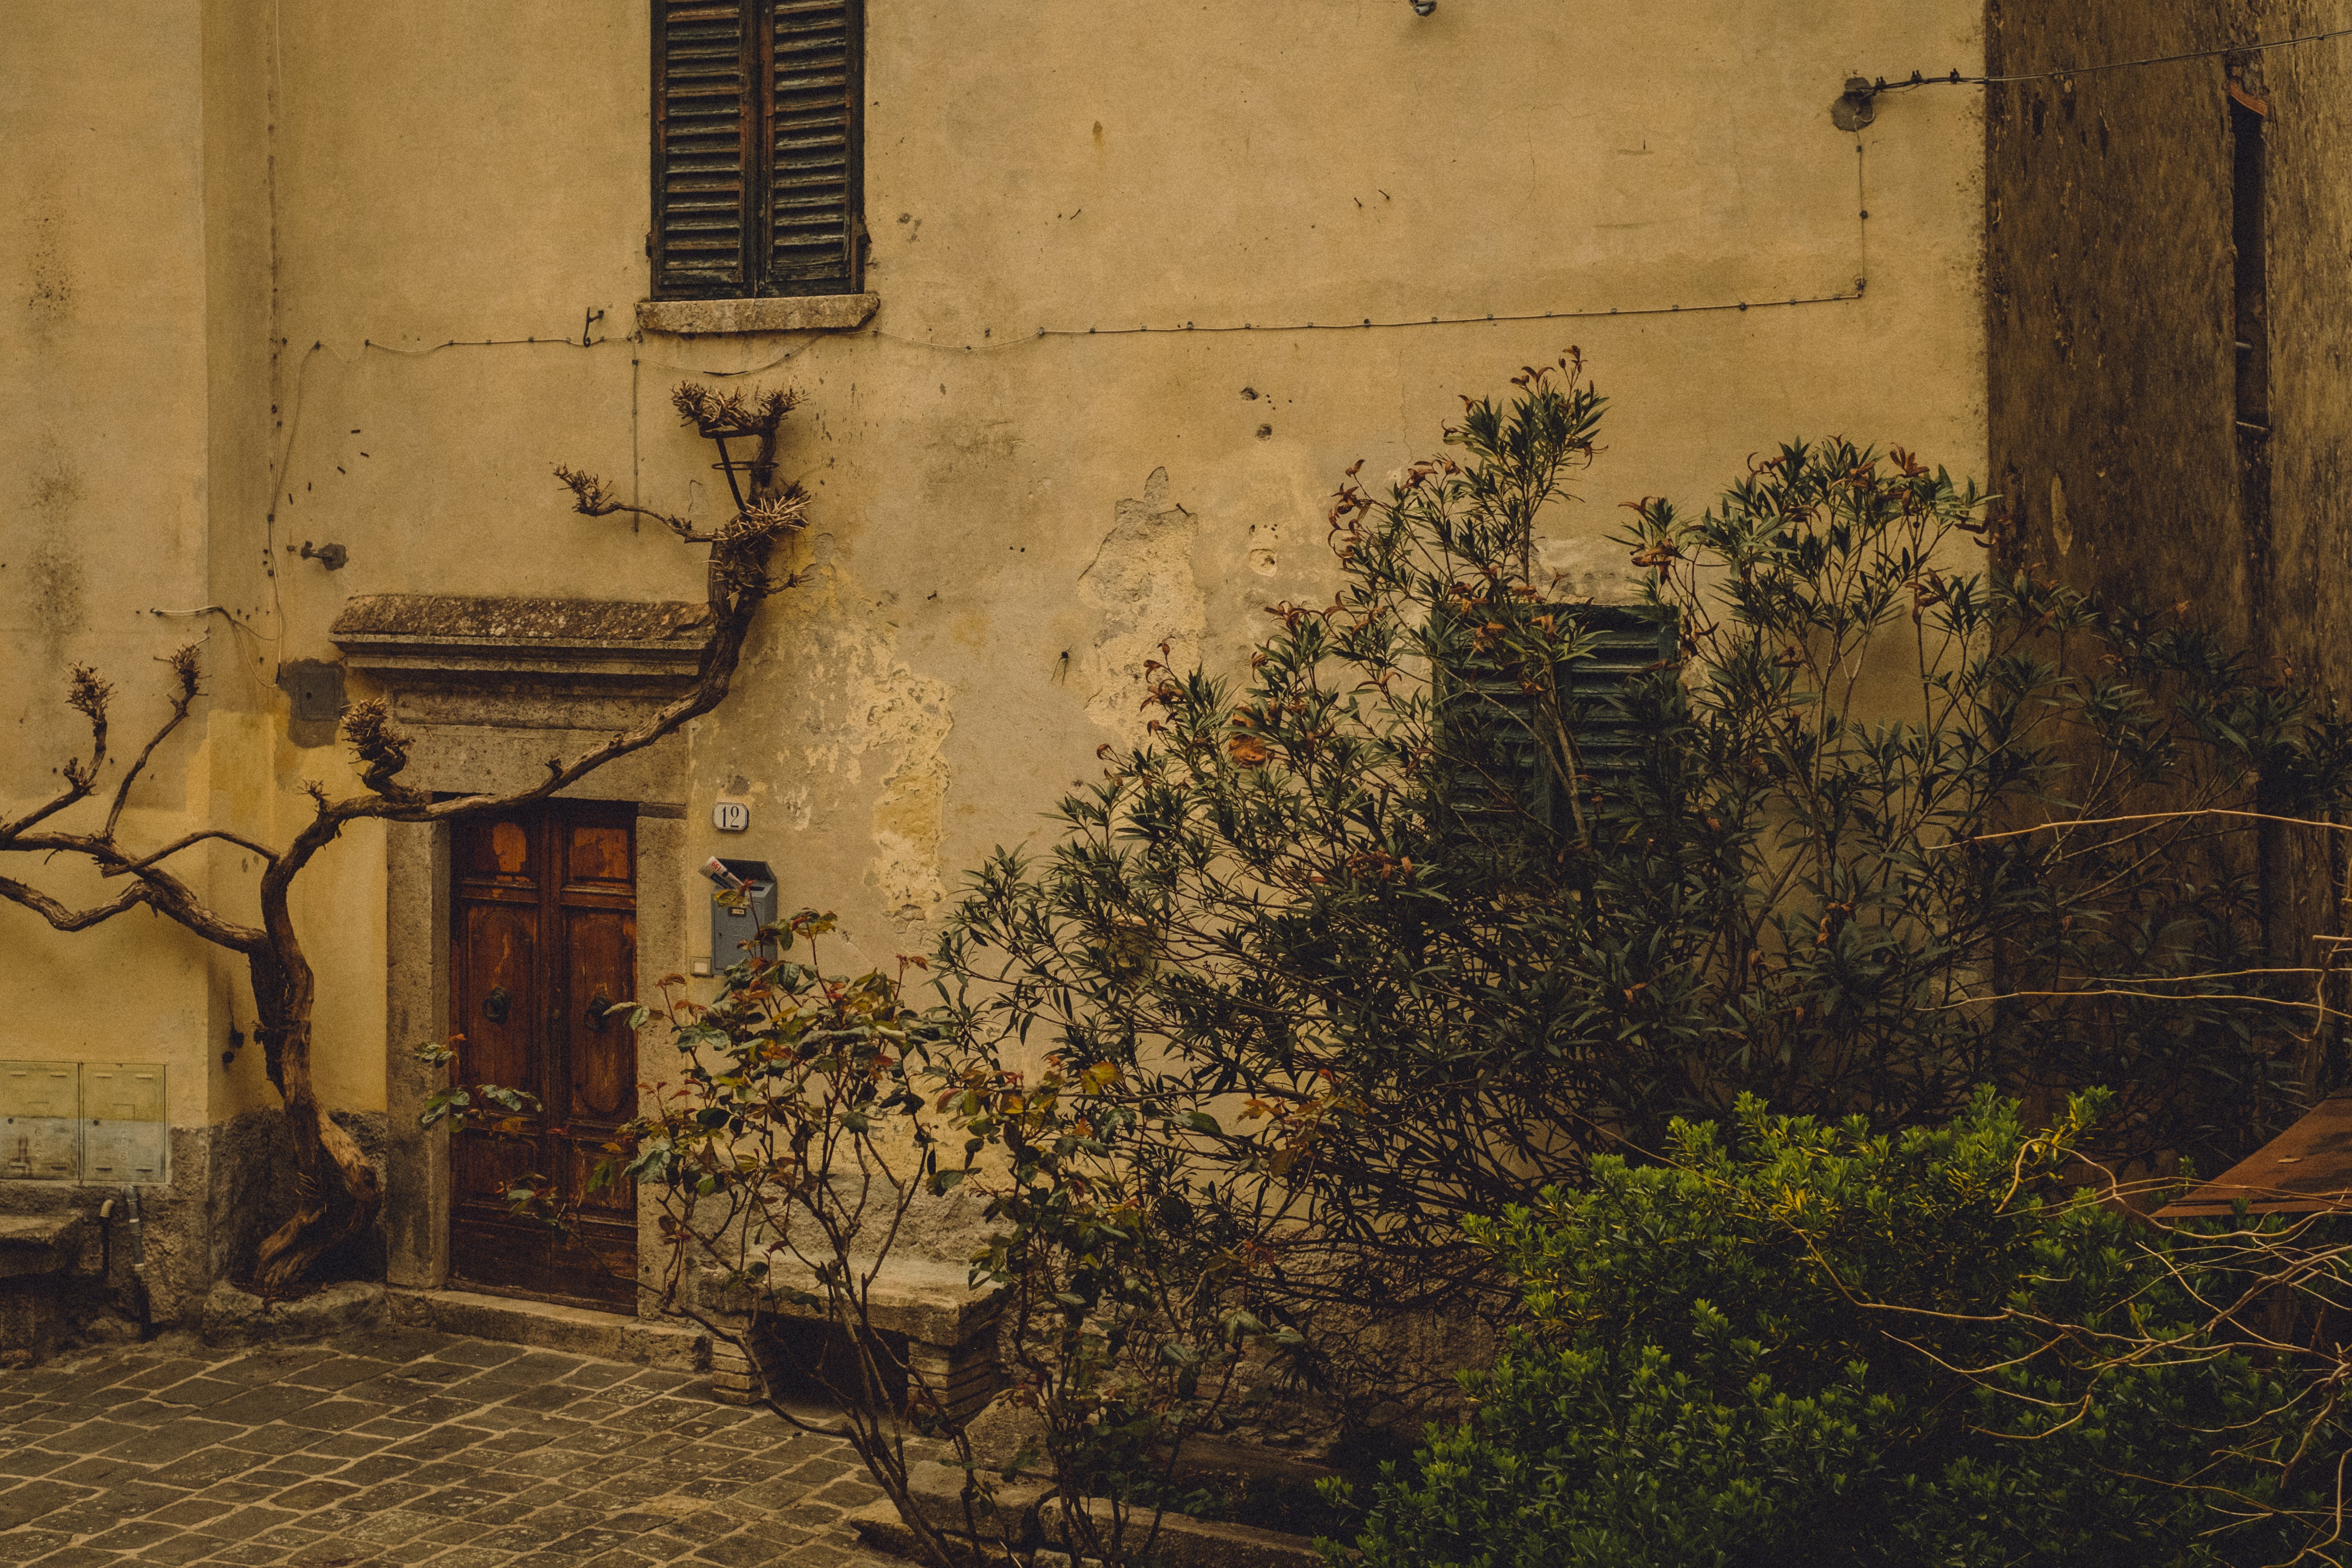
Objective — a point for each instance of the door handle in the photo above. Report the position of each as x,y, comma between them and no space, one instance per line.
495,1005
596,1006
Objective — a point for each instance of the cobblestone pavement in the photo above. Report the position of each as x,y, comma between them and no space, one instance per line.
398,1446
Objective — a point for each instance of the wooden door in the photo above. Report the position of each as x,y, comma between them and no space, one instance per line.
543,937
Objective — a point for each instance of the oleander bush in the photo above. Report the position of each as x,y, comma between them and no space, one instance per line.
1466,882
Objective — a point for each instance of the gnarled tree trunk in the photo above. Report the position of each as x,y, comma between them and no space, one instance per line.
338,1191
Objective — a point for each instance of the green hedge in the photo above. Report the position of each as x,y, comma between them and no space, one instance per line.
1822,1345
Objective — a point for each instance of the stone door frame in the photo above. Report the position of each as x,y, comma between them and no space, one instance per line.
490,689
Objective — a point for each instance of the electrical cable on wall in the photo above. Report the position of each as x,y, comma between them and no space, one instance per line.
1954,78
638,362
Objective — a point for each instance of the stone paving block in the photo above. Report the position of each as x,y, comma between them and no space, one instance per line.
249,1522
198,1393
744,1549
123,1499
80,1520
470,1557
265,1403
334,1414
91,1438
628,1556
437,1442
286,1537
23,1546
27,1462
384,1495
206,1467
345,1446
182,1435
80,1557
22,1504
96,1472
340,1372
318,1494
273,1441
146,1414
435,1408
480,1354
186,1546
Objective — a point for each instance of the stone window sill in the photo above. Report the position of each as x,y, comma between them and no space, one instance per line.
802,313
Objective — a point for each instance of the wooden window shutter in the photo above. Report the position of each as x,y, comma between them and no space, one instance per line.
814,180
757,175
705,150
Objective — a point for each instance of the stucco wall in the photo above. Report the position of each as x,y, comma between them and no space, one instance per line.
103,447
1005,524
986,499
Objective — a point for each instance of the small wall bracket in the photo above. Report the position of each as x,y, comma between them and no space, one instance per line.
1856,107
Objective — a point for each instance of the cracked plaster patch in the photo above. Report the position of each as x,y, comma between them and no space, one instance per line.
894,719
1141,581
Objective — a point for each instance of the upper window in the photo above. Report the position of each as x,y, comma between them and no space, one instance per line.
757,178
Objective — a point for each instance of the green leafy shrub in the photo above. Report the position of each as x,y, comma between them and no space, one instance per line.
1442,898
1825,1345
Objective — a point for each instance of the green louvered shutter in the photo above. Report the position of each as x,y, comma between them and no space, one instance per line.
1495,728
705,144
814,180
1626,646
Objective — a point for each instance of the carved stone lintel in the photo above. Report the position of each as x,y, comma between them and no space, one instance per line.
450,644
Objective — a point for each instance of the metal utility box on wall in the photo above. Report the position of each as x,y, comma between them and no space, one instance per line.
101,1123
40,1135
736,917
124,1136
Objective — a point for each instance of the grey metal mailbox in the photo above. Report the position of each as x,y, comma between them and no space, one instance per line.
736,917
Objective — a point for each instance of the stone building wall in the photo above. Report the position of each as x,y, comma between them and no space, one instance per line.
2133,460
310,271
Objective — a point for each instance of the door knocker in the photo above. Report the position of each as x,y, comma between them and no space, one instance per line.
597,1007
495,1005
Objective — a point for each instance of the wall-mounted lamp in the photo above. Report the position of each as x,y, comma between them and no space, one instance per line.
331,556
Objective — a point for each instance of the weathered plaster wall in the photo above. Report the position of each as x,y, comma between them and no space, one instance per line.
989,503
137,437
1004,526
102,454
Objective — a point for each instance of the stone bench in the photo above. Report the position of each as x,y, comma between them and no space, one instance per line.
947,1326
36,1252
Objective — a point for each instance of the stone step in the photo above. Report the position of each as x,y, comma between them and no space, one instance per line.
544,1325
234,1317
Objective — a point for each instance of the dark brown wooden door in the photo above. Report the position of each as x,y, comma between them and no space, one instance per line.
543,937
